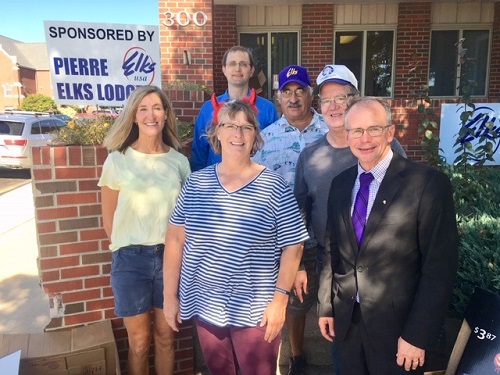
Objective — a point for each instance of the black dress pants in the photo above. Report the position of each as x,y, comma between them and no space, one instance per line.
360,355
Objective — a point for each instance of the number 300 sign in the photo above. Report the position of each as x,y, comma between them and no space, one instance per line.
183,18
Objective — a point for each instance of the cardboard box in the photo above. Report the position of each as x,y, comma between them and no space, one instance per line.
87,350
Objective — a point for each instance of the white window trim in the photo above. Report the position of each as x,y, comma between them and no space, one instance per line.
5,88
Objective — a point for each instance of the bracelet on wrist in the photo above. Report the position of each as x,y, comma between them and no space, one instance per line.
281,290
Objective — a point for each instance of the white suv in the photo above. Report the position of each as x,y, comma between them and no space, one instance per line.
20,131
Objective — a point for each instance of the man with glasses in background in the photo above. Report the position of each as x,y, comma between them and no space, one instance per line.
238,67
299,126
318,164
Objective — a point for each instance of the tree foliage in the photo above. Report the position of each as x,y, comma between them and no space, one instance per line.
38,103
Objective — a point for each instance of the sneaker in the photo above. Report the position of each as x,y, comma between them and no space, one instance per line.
298,366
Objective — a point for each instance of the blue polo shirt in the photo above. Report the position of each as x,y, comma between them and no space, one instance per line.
202,154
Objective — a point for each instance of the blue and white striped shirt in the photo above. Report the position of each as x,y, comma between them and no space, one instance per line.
233,245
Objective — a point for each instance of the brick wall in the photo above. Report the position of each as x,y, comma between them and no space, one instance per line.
74,261
494,88
225,36
412,48
411,67
195,40
187,103
317,37
8,76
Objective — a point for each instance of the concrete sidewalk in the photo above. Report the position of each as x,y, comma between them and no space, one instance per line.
24,307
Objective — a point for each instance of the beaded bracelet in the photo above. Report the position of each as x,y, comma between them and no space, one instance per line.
281,290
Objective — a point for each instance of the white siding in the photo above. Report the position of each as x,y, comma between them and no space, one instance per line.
462,13
273,15
366,14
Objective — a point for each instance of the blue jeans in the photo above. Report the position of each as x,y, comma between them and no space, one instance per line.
137,279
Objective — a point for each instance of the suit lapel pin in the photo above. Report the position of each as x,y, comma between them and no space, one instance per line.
384,201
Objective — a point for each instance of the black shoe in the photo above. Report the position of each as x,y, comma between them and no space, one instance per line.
298,366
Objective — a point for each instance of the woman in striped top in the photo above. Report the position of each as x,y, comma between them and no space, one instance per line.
232,250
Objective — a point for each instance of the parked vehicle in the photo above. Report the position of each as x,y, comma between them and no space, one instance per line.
105,112
63,117
20,131
94,115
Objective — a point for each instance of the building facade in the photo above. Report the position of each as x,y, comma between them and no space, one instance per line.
395,48
24,70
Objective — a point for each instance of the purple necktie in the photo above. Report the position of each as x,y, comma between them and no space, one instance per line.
361,205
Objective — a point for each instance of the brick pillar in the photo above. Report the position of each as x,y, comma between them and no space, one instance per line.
225,36
494,87
411,67
176,42
74,260
412,47
317,37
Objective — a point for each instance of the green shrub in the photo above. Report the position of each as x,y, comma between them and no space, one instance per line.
477,203
38,103
92,131
69,110
185,129
83,132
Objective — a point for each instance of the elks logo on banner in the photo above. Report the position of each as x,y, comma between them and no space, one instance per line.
101,64
483,125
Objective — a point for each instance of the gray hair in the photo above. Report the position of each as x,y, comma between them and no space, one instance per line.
367,100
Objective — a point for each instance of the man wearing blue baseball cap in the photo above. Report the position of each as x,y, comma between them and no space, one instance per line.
299,126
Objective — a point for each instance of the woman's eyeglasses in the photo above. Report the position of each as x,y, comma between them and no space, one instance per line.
246,128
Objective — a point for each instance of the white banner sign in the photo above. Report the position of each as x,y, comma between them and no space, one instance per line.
485,114
94,63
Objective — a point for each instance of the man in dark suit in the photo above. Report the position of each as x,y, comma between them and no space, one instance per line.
395,264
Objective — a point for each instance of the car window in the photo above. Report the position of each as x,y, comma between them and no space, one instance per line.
47,126
11,127
59,123
4,128
35,127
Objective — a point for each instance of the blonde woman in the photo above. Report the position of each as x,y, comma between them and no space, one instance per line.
140,182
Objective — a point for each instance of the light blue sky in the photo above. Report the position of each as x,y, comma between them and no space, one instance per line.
26,25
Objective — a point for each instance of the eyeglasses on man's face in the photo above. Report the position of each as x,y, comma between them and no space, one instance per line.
245,128
299,92
373,131
241,64
339,99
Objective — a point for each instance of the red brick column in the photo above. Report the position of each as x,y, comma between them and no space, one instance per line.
74,259
494,88
177,42
225,36
412,47
317,37
411,67
186,103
